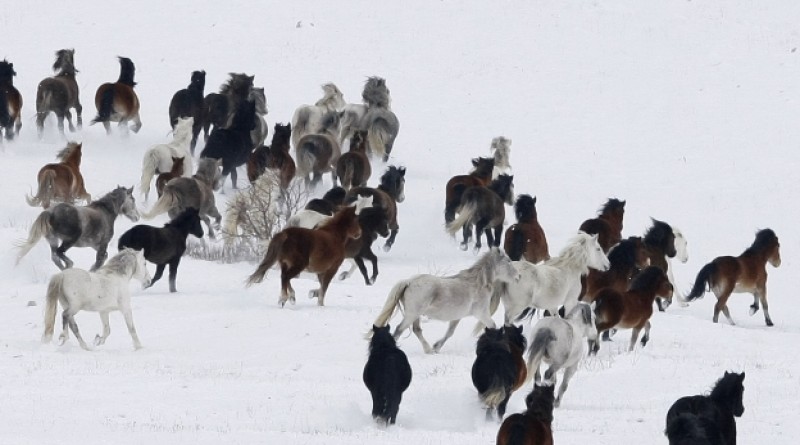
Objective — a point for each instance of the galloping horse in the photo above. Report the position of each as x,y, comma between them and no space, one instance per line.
387,374
608,224
374,116
526,239
659,241
373,222
353,168
59,93
499,368
10,101
483,207
233,144
117,102
480,175
188,102
274,156
159,158
387,195
745,273
534,426
220,107
625,259
317,153
713,416
307,119
62,180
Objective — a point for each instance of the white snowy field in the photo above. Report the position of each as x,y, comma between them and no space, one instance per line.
687,110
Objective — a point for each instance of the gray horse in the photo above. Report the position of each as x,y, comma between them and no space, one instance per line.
59,93
374,116
197,191
81,226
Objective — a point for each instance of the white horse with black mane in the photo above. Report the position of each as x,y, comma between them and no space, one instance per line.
102,291
448,298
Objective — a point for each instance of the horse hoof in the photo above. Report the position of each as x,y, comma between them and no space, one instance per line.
753,310
98,340
463,247
61,341
387,247
769,323
313,294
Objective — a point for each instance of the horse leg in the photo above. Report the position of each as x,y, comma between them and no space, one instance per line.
450,330
287,273
722,305
346,274
634,335
70,319
359,262
390,241
173,273
374,259
125,308
466,231
480,229
79,112
646,336
417,329
40,117
761,295
64,324
157,276
61,259
568,373
207,220
101,339
324,280
402,326
498,234
107,126
234,177
137,123
102,254
67,115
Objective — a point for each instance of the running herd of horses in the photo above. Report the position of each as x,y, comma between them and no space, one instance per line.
598,283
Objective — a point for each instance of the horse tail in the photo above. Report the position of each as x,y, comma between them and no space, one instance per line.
45,192
541,340
306,157
149,168
41,227
43,98
704,277
499,289
51,305
5,116
271,257
381,133
299,124
164,203
393,393
392,301
515,243
106,105
465,215
346,176
496,393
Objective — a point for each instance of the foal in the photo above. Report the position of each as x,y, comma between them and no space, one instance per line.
608,224
164,178
62,180
534,426
353,168
481,175
526,239
499,368
117,102
373,222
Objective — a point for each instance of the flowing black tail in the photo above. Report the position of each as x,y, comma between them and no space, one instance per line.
452,205
5,117
106,105
704,278
517,243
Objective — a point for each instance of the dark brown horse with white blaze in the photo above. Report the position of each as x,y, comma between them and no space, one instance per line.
117,102
10,102
319,251
607,225
745,273
59,93
61,181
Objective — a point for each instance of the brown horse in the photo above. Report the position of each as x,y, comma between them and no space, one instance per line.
534,426
633,308
59,93
745,273
164,178
10,101
659,240
607,225
274,156
526,239
480,175
353,168
499,368
319,251
117,102
625,259
62,180
387,195
317,153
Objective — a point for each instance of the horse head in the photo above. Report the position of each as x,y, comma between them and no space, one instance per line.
393,182
504,268
332,98
504,187
128,207
729,390
681,246
595,257
198,80
190,218
64,63
767,243
140,272
7,73
582,315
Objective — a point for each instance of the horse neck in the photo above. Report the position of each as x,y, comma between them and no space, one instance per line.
339,224
566,262
388,192
107,205
613,219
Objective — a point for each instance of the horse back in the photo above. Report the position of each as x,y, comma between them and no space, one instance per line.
379,199
706,408
521,429
730,271
56,94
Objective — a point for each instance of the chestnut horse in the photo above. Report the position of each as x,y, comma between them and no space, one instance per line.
274,156
534,426
319,251
353,168
745,273
625,259
117,102
633,308
164,178
62,180
59,93
481,175
526,239
10,101
608,224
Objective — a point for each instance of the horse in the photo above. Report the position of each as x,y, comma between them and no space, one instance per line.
386,375
710,419
483,207
317,153
551,284
387,195
534,426
274,156
62,180
374,94
117,102
480,175
188,102
220,107
526,239
501,150
746,273
232,144
319,251
59,93
160,158
625,260
311,219
259,133
10,101
164,178
103,291
353,168
632,308
307,118
80,226
659,241
196,191
166,245
559,343
373,222
499,368
608,224
382,126
449,298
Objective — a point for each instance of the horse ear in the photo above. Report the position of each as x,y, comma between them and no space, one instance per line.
475,162
742,376
534,200
402,171
130,191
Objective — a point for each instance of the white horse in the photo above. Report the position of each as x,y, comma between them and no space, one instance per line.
307,119
448,298
682,255
158,159
102,291
501,147
553,283
559,342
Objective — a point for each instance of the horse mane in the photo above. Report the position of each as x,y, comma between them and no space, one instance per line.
525,209
64,64
239,85
375,93
480,271
514,336
120,262
259,98
281,135
381,338
70,152
728,386
188,213
540,403
502,185
492,339
572,252
482,167
765,239
647,278
7,73
612,205
624,253
658,234
331,98
110,201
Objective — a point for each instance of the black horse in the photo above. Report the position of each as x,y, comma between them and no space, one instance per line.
659,242
165,245
373,221
330,201
499,368
233,144
483,207
220,107
387,374
710,418
188,102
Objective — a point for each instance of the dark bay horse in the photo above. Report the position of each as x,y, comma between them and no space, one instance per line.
274,156
499,368
233,144
81,226
10,101
220,107
353,168
659,241
329,203
188,102
117,102
745,273
387,195
164,178
164,246
373,222
708,419
526,239
318,153
484,208
386,374
62,180
534,426
608,224
625,259
319,251
59,93
480,175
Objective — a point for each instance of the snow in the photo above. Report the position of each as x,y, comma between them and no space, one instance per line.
687,110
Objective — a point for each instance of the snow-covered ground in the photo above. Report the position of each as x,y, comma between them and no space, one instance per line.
687,110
